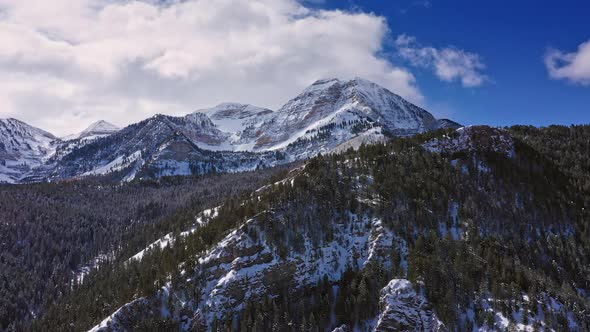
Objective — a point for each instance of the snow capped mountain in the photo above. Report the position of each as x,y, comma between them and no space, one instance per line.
329,116
97,129
446,123
333,115
22,147
325,115
356,105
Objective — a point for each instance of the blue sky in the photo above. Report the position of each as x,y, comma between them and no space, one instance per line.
68,63
511,37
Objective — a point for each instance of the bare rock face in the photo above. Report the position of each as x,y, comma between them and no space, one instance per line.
402,309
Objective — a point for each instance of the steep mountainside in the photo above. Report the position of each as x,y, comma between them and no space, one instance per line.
22,148
450,230
329,116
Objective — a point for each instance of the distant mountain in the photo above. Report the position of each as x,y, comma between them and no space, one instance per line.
22,148
329,116
67,144
356,107
97,129
159,146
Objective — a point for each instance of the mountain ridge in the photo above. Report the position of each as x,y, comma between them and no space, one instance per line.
328,116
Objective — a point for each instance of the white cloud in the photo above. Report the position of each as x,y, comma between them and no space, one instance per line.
574,67
67,63
449,63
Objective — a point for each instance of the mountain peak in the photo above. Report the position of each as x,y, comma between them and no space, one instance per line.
321,84
333,80
20,126
101,125
98,128
323,81
357,88
343,102
330,115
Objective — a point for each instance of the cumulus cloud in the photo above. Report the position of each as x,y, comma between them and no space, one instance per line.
574,66
449,63
68,63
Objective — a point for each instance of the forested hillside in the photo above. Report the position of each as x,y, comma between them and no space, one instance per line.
52,235
567,147
451,230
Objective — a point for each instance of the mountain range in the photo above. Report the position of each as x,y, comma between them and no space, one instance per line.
434,227
330,115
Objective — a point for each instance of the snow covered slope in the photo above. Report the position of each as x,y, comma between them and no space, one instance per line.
22,148
327,114
352,106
